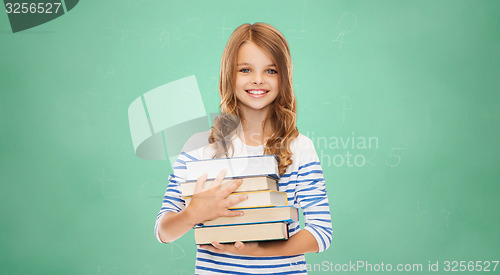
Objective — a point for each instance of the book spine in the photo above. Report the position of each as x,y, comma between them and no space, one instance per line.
231,224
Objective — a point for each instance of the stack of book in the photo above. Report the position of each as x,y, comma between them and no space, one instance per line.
266,213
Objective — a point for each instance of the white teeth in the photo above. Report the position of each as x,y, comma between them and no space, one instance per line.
257,92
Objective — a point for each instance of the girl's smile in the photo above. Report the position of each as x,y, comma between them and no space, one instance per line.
257,93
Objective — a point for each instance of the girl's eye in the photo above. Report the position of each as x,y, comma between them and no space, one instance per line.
271,71
245,70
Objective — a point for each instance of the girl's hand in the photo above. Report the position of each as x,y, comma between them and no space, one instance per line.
248,249
213,202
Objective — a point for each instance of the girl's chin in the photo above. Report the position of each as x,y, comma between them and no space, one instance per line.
254,107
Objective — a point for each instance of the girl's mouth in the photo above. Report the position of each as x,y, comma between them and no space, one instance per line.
256,93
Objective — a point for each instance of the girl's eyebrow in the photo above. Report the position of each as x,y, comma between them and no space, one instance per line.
248,64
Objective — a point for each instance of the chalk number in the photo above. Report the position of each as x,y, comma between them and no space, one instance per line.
395,156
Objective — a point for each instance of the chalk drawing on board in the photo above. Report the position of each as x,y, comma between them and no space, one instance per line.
106,271
346,106
105,187
369,160
175,252
111,149
114,110
194,24
347,23
164,39
447,218
307,103
211,87
149,190
146,270
124,35
302,30
421,214
111,70
108,31
224,29
181,272
141,35
394,155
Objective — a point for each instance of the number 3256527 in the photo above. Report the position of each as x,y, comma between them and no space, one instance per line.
32,7
470,265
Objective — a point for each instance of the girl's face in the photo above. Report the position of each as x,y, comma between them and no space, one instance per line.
257,80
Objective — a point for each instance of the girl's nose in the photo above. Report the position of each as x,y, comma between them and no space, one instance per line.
257,80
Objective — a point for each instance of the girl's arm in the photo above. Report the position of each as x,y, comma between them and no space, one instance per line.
300,243
205,205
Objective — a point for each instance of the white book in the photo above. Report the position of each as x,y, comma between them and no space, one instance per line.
249,184
256,199
266,165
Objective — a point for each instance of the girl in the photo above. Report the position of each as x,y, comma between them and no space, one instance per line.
256,89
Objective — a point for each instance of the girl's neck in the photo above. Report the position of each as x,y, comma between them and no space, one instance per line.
252,133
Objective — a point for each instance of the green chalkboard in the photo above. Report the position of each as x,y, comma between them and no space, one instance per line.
399,97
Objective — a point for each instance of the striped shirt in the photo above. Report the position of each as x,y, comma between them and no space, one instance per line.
304,185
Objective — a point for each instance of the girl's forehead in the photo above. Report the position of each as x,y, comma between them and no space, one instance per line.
249,52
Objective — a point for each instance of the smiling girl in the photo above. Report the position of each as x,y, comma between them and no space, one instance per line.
258,117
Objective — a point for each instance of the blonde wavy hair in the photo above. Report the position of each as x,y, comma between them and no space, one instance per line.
282,115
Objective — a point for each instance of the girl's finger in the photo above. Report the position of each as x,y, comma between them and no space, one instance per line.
219,178
233,213
199,183
231,188
236,199
239,245
218,245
